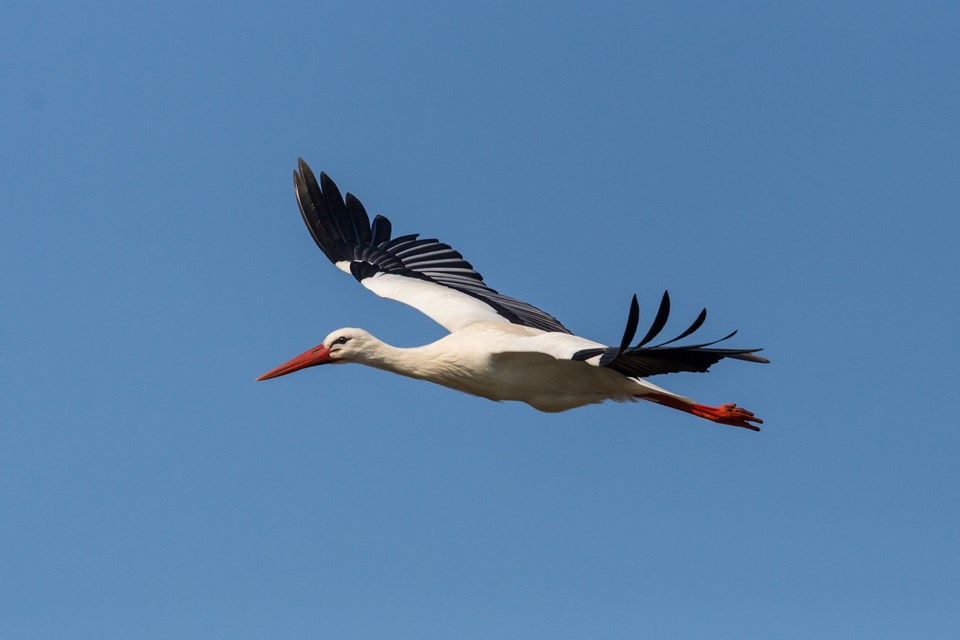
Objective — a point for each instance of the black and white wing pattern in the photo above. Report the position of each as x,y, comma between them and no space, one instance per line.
641,361
426,274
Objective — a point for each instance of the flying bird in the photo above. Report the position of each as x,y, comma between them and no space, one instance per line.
498,347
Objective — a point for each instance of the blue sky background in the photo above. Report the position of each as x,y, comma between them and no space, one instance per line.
792,167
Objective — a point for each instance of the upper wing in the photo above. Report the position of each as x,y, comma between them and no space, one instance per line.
423,273
642,361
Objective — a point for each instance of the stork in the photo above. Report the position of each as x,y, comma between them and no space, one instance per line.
498,347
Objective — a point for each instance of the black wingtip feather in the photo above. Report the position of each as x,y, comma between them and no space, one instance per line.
633,321
310,217
380,231
341,218
749,356
693,327
642,361
659,322
342,229
361,221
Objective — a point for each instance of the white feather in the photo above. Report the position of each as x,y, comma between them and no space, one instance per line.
450,308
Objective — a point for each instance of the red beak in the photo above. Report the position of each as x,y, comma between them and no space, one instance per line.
318,355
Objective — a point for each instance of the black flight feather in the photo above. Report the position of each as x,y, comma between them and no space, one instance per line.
361,221
693,327
658,322
342,230
633,320
380,231
642,361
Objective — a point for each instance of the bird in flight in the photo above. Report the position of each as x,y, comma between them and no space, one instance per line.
498,347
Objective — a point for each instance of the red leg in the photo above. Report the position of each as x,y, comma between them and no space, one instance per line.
729,414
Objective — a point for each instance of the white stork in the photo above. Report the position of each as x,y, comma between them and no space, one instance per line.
498,347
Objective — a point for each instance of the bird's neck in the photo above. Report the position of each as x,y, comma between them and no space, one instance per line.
423,362
389,358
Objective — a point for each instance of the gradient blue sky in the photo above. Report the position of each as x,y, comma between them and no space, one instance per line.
792,167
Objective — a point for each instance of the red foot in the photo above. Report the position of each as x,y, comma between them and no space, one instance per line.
729,414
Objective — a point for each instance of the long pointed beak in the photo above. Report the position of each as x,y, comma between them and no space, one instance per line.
318,355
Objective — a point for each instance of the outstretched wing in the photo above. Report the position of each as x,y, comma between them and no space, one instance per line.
426,274
641,361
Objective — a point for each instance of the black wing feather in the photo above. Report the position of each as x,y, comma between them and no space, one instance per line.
361,221
316,221
693,327
641,361
658,322
380,231
633,321
342,230
342,220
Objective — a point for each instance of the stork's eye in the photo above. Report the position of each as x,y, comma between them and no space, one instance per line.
341,340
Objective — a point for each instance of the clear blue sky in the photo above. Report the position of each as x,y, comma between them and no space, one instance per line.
792,167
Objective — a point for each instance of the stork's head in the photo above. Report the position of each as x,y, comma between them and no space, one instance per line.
343,345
